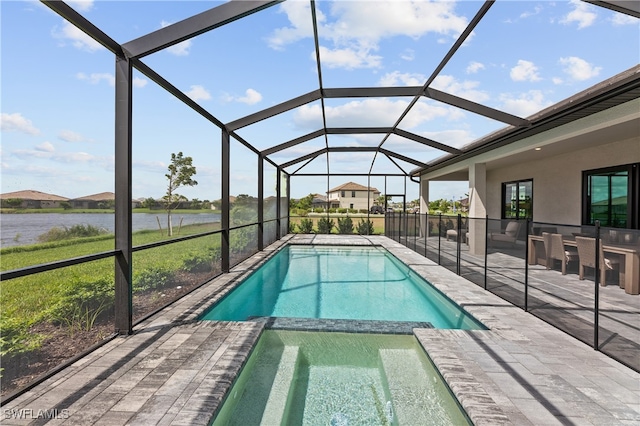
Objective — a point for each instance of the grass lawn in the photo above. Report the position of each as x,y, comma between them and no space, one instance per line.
29,300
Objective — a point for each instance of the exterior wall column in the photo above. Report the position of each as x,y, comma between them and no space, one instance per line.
424,206
477,208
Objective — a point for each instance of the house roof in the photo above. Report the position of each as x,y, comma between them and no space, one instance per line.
30,194
352,186
103,196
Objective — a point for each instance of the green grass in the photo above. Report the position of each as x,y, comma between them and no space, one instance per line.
28,300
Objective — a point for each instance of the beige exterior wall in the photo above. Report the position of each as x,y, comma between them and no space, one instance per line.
557,181
359,201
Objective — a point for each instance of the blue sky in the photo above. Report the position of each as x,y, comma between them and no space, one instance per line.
57,100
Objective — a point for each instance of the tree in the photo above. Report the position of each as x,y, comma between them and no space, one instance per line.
13,202
180,174
148,203
305,203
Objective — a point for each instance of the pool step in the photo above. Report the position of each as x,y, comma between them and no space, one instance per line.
410,386
274,409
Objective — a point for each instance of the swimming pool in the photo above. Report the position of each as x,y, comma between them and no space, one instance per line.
310,378
338,282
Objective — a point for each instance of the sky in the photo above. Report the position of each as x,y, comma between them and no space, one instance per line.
57,87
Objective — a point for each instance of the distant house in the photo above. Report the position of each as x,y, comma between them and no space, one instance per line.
319,201
103,200
351,195
31,199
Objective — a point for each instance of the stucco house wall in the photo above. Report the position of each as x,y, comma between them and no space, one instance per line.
557,181
359,201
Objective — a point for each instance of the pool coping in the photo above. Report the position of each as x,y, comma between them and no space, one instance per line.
176,370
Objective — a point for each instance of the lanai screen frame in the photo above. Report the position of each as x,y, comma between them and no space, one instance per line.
128,57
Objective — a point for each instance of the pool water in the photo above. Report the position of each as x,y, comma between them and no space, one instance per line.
331,282
311,378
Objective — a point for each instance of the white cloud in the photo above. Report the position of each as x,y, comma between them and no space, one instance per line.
408,55
78,39
180,49
524,104
348,58
582,14
299,15
198,93
251,97
95,78
579,69
71,136
456,138
619,19
374,112
525,71
45,147
17,123
64,157
380,20
139,82
536,10
354,31
81,5
397,78
474,67
465,89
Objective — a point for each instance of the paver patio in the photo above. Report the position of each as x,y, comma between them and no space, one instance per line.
175,370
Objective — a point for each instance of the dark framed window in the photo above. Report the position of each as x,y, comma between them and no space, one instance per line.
517,199
353,194
342,194
610,195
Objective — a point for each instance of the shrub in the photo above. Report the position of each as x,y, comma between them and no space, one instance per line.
332,210
306,226
152,278
363,211
365,227
15,337
325,225
76,231
83,303
342,210
345,225
202,261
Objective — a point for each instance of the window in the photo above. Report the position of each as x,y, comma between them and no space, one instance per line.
610,195
351,205
517,199
353,194
342,194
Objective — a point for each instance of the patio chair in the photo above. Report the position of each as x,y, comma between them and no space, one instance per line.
453,233
555,250
510,234
587,255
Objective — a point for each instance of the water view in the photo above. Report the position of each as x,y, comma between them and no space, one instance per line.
24,229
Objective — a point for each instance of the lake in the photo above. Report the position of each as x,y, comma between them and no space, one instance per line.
23,229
